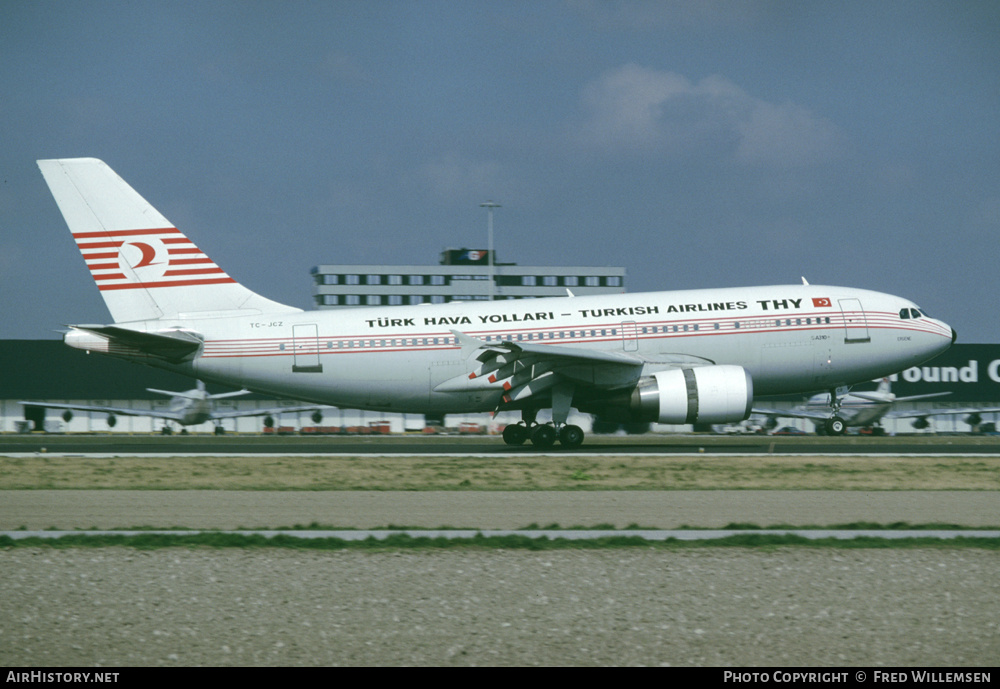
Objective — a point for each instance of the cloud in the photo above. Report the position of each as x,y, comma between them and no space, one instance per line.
786,135
637,110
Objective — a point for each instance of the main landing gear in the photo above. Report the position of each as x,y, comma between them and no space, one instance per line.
542,435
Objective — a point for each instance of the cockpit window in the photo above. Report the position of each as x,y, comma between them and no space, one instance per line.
906,314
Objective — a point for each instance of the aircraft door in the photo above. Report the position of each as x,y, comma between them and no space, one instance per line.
855,321
630,336
305,349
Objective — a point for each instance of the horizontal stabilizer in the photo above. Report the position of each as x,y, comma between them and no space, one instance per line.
173,346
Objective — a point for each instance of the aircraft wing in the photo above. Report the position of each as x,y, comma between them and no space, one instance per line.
107,410
916,413
262,412
169,415
875,397
521,369
793,413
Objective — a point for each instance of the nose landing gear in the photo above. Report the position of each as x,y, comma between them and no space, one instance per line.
835,425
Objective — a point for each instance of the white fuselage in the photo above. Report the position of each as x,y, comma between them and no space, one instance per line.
191,410
792,338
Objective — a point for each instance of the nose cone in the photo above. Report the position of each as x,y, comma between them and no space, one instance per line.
942,337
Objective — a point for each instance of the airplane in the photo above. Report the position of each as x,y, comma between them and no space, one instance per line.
867,409
680,357
187,408
858,409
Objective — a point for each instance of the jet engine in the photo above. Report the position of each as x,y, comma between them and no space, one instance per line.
704,395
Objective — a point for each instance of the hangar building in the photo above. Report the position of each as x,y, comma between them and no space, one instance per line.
48,370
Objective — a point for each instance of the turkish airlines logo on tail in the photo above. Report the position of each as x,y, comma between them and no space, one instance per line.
133,259
821,301
149,251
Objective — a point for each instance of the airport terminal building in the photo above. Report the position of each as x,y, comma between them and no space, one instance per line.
461,275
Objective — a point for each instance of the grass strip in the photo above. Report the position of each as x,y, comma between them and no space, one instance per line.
529,473
221,540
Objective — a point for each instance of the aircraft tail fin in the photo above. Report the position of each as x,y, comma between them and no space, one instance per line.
144,267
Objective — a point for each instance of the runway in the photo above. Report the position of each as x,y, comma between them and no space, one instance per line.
479,510
444,445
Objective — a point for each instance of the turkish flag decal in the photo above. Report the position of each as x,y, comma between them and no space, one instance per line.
821,301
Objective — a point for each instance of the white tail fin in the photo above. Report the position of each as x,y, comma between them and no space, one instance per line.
145,268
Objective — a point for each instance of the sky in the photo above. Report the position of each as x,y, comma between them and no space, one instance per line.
697,144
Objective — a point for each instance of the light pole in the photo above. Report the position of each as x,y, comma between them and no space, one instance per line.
489,206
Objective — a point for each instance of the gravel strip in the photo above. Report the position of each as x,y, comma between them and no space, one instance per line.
708,607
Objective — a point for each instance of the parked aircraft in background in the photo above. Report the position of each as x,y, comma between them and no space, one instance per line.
860,409
188,408
690,357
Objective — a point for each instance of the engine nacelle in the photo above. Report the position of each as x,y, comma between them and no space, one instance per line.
704,394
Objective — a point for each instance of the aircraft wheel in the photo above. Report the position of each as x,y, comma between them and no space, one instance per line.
219,430
515,434
543,435
571,436
835,426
